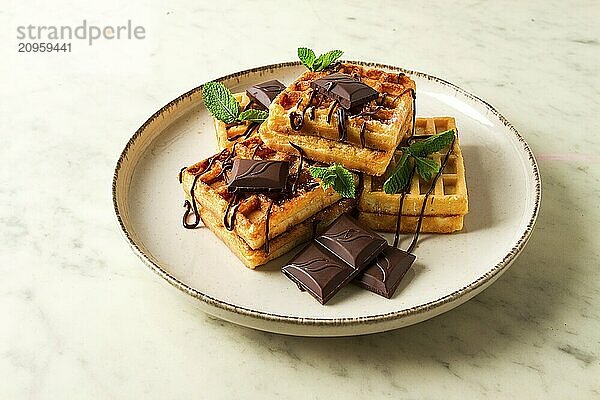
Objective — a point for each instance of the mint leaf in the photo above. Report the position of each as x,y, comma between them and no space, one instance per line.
307,57
399,178
253,115
337,177
426,168
432,144
220,102
326,59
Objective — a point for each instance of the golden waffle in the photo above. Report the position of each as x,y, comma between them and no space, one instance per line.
250,220
279,245
372,162
229,134
383,130
447,204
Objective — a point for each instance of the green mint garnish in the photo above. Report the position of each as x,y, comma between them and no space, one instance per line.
432,144
399,177
308,58
221,103
326,59
425,167
253,115
337,177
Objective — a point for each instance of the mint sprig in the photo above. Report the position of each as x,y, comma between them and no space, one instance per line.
399,178
432,144
337,177
253,115
425,167
307,57
313,63
221,103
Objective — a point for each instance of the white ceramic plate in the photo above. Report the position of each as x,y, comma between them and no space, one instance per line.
504,196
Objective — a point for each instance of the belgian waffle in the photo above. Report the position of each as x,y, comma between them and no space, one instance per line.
229,134
249,222
383,122
447,204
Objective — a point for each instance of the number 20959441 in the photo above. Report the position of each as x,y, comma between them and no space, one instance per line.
27,47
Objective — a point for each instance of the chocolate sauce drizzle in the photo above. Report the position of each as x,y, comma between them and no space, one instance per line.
267,220
180,175
342,118
363,128
249,129
191,205
297,118
299,170
330,111
402,195
229,222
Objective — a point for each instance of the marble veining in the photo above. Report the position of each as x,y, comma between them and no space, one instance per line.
81,316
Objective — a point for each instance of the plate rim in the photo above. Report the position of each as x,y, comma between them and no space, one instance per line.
345,321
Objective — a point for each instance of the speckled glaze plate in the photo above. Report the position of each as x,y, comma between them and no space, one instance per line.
504,196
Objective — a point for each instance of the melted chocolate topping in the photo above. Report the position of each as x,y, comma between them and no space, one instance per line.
297,118
249,129
363,128
229,221
402,195
180,175
299,170
193,205
267,219
342,123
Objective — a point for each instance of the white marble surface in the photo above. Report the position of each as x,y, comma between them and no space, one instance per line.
81,317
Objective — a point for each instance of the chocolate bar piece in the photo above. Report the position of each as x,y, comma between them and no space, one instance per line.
355,245
333,259
384,274
319,272
348,91
258,176
264,93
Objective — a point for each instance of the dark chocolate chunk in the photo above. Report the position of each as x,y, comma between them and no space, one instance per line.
264,93
355,245
319,272
346,90
384,274
258,176
333,259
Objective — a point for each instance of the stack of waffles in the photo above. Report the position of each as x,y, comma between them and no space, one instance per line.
446,205
361,130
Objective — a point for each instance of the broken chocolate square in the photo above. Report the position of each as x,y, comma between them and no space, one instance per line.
355,245
264,93
384,274
258,176
319,272
348,91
